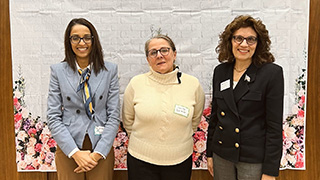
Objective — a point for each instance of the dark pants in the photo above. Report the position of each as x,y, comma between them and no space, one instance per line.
227,170
140,170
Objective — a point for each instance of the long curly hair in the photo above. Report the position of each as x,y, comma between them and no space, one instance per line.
262,53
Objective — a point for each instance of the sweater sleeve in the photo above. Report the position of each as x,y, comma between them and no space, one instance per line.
198,108
128,113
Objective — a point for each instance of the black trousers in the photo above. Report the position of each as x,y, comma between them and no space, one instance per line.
140,170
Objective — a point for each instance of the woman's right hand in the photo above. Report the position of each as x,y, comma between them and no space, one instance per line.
84,161
210,165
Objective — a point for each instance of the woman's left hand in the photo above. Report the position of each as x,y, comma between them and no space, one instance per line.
267,177
210,165
84,161
94,156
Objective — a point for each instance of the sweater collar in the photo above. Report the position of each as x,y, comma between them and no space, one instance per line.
168,78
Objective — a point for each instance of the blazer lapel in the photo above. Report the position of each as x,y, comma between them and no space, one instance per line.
73,78
95,80
243,85
228,93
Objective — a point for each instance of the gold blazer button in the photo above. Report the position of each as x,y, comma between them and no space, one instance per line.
237,130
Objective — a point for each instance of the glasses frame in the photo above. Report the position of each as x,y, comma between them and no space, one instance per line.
81,38
158,50
245,38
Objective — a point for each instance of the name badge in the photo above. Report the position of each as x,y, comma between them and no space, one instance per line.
225,85
98,130
181,110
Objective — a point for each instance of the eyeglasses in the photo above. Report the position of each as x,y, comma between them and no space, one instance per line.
163,51
251,40
75,39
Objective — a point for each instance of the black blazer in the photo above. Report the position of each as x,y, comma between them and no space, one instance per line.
246,122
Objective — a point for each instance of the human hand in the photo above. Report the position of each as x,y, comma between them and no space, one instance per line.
95,156
210,165
84,161
267,177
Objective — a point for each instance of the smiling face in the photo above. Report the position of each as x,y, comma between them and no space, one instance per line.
161,63
81,50
243,52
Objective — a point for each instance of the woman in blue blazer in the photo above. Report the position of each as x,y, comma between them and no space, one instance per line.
245,129
83,106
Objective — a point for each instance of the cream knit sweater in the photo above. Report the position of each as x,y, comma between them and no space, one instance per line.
160,116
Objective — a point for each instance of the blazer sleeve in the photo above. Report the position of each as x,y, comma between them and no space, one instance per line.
212,120
274,117
58,129
113,114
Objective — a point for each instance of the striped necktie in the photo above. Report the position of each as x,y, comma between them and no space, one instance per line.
84,85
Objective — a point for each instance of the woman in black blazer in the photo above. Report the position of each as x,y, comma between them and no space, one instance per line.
245,131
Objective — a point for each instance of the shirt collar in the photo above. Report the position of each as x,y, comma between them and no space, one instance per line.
78,67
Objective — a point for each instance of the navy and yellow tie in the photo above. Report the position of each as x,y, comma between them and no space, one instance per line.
85,87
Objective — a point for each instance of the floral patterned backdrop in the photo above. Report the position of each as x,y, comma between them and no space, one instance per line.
35,146
293,129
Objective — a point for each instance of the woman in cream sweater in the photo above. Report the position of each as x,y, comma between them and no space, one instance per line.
161,110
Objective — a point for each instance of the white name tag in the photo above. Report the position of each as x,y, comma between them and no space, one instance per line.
225,85
98,130
181,110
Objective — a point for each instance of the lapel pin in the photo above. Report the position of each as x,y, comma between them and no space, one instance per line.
247,78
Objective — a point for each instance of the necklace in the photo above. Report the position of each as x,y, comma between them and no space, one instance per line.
239,71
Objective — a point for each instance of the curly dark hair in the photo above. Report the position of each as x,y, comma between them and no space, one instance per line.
262,53
96,55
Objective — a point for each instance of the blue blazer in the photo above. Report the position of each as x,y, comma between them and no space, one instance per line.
246,122
67,118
